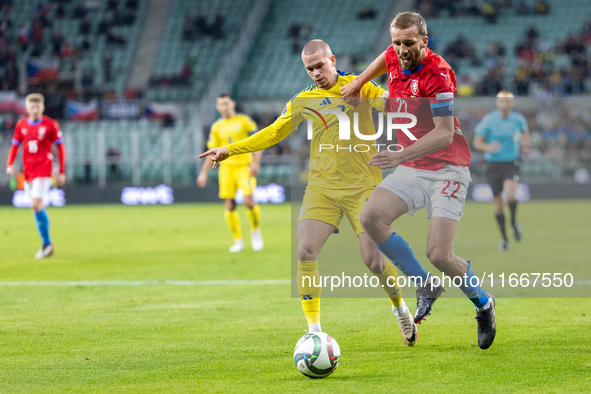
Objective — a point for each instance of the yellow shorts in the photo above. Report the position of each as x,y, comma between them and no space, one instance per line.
232,178
329,205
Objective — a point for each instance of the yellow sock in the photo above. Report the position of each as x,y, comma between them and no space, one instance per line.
391,288
310,294
233,222
254,215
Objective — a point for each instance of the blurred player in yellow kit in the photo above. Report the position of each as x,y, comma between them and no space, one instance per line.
236,173
338,183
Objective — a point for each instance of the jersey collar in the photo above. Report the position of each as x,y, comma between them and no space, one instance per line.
31,123
414,70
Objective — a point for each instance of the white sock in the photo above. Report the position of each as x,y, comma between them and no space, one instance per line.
487,305
314,327
400,309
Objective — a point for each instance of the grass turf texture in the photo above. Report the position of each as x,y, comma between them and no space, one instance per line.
240,338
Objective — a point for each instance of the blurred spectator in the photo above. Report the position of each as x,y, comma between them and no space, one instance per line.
85,26
103,27
57,41
54,102
60,12
299,35
490,12
78,12
542,8
168,121
186,73
23,37
85,45
131,4
107,68
115,40
188,30
461,48
366,13
113,159
129,18
67,49
92,5
522,9
217,30
522,77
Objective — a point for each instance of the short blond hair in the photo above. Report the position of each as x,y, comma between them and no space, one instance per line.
313,46
405,20
35,98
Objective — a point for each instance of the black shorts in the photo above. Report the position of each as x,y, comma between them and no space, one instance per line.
498,172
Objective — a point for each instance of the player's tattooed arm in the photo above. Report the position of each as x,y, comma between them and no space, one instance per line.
440,137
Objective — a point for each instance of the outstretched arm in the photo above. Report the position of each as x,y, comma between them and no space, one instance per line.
374,70
265,138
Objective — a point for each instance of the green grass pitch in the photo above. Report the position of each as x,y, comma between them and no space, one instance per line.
240,338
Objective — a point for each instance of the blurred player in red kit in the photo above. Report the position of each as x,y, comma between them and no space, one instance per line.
38,133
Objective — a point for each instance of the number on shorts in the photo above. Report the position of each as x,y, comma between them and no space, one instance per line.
447,184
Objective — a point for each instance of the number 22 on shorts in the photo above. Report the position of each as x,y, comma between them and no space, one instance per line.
447,184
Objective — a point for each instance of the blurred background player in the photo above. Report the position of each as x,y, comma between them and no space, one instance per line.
502,134
338,184
239,172
432,172
38,133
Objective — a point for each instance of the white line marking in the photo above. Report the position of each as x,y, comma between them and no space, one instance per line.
150,283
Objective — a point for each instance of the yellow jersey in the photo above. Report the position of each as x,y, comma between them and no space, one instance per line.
344,166
226,131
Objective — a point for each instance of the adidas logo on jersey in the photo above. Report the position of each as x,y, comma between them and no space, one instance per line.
325,102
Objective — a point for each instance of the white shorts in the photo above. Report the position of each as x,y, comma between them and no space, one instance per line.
443,192
38,187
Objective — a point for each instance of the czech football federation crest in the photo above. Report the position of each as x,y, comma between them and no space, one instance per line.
42,131
414,87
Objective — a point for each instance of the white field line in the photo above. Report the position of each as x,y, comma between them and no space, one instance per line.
192,283
149,283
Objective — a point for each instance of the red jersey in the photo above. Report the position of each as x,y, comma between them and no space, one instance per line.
37,139
435,80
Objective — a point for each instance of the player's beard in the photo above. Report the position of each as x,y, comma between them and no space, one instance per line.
412,63
414,60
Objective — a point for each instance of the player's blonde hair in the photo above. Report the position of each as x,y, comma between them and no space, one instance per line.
404,20
313,46
35,98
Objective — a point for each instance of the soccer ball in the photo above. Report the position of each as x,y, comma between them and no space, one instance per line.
316,355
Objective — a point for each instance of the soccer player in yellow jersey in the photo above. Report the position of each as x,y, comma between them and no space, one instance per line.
338,183
238,172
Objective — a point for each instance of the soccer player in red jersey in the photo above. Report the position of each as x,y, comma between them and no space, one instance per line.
38,133
432,171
